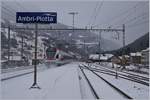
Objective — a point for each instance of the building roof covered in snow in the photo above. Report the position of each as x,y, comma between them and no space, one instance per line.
135,54
145,50
126,56
102,57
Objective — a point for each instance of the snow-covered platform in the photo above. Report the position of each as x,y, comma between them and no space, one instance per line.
55,83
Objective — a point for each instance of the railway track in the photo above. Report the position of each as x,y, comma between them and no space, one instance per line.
111,85
124,75
90,85
127,76
15,76
16,69
27,71
17,73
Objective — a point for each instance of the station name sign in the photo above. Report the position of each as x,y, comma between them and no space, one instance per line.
36,17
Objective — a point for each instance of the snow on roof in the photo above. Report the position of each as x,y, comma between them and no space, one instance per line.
146,49
109,55
132,54
120,57
79,42
3,61
92,43
102,57
126,56
93,56
80,36
15,57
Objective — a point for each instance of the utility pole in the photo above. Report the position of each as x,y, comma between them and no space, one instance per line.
22,46
123,50
123,35
8,44
35,59
85,49
44,51
99,45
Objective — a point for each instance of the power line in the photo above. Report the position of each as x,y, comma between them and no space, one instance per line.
137,24
121,14
8,7
137,17
7,13
100,6
94,11
126,19
129,13
17,3
7,10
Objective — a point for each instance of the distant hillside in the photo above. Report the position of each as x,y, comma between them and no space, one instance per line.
138,45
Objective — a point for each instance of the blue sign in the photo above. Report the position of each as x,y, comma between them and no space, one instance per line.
36,17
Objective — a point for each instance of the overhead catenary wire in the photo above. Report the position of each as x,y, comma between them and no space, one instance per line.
18,4
127,21
8,11
137,24
94,11
4,4
135,19
120,15
129,13
142,16
97,13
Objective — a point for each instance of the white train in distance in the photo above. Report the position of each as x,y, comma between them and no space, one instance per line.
57,56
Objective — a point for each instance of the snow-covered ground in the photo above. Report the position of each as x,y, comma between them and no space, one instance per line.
55,83
135,90
68,82
103,90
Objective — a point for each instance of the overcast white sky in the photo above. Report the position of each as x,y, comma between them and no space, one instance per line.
135,14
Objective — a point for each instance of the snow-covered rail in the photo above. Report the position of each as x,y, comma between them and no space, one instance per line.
16,69
18,72
90,85
82,67
16,75
127,73
132,77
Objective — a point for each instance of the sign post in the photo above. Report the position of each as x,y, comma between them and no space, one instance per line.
34,85
36,18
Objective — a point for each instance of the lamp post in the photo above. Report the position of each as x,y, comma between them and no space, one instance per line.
73,15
